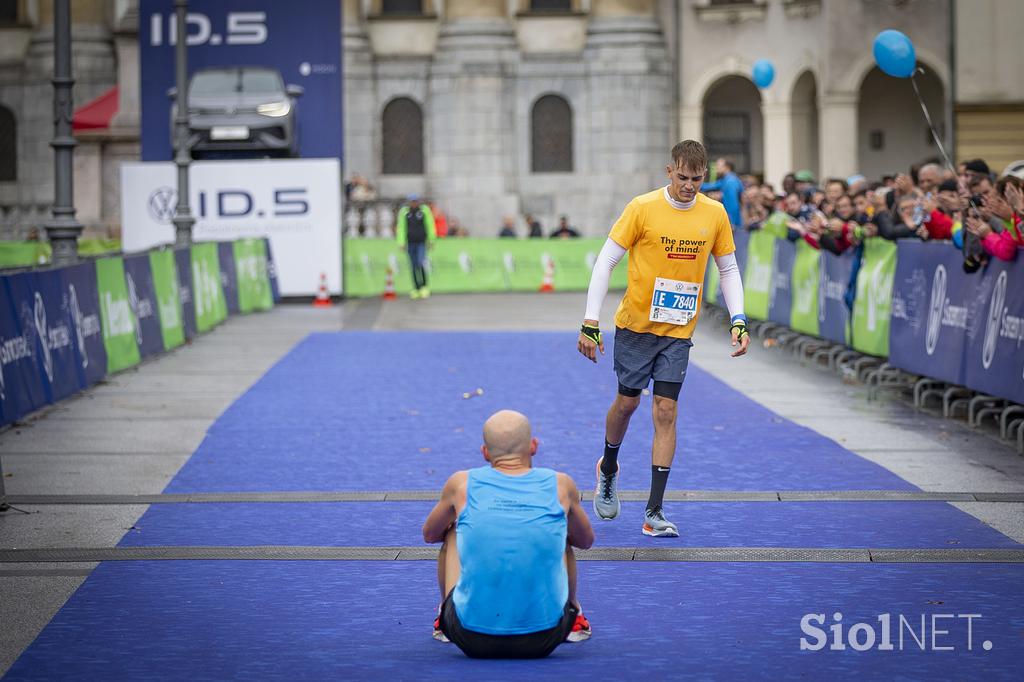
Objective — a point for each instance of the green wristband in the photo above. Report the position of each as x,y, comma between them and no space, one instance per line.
592,333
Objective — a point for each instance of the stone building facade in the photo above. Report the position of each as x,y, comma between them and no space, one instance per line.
552,107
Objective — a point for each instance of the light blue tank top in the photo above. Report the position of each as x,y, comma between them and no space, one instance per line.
511,541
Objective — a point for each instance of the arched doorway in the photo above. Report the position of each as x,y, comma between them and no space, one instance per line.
732,123
805,124
892,133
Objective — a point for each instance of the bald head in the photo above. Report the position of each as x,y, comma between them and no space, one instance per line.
507,434
929,177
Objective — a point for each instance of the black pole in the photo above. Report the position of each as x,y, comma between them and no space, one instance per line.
183,219
3,496
63,229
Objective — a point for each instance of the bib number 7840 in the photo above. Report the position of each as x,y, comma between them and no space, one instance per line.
674,302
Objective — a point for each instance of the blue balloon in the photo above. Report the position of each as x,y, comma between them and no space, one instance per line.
764,73
894,54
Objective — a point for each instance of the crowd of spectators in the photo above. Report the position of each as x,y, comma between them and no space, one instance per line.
973,210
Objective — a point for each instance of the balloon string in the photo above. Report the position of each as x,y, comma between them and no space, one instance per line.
931,126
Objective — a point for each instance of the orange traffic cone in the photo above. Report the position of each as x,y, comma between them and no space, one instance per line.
323,299
389,286
547,285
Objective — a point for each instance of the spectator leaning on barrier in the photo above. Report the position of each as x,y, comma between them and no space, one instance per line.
415,232
1005,203
536,231
564,231
508,228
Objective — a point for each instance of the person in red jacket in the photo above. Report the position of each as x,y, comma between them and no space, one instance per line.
1009,208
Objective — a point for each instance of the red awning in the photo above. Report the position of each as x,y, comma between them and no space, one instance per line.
97,113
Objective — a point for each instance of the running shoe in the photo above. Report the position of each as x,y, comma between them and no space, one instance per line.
580,629
657,526
438,633
424,292
606,495
414,294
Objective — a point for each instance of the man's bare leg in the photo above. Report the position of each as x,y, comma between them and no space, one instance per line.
448,566
617,421
664,449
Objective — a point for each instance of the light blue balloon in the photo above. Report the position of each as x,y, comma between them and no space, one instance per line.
894,54
764,73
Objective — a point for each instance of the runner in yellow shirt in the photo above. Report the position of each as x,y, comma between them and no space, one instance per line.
670,234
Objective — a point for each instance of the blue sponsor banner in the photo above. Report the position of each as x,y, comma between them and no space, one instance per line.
741,237
183,259
21,378
780,294
78,283
55,336
300,40
931,309
142,298
228,276
833,280
272,273
994,352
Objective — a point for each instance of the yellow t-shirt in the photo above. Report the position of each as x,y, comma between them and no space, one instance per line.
670,247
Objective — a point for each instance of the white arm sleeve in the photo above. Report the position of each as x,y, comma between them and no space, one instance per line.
732,286
611,254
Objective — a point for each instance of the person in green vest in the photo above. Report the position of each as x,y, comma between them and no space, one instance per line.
415,232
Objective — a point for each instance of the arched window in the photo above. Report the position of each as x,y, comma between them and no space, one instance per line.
551,135
8,146
403,137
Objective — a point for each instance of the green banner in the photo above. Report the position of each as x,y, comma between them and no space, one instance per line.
253,280
478,265
168,300
116,315
207,294
803,314
776,225
23,254
757,279
873,304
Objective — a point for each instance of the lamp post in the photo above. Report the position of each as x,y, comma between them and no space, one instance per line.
183,219
63,229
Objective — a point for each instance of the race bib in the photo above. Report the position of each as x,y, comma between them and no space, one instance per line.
674,302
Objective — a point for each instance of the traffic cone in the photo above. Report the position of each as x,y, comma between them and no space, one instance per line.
323,299
389,286
547,285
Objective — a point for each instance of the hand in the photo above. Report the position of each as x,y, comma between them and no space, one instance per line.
795,225
587,346
923,234
976,225
835,226
741,337
929,204
999,208
904,185
1015,197
869,230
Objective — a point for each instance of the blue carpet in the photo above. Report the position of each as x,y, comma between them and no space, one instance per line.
374,411
704,524
369,620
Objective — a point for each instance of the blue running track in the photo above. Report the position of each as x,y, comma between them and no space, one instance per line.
367,411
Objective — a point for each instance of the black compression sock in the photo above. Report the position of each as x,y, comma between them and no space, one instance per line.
659,479
610,463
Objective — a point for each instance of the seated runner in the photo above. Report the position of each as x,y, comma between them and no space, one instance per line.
506,569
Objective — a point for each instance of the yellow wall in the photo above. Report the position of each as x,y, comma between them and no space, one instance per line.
995,134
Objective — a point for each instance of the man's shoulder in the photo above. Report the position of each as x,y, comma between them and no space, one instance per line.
648,197
708,202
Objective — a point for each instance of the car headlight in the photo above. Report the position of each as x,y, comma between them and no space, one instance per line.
275,109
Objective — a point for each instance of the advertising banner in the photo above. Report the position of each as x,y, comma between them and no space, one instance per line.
711,281
803,315
931,307
780,297
295,203
275,289
116,315
994,352
207,295
872,306
228,275
183,264
298,43
168,297
468,265
250,263
80,286
142,298
757,275
21,379
54,332
833,314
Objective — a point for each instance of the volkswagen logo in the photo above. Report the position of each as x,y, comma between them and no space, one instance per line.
995,310
935,309
162,204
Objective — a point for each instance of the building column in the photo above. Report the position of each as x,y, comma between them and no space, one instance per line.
469,125
778,140
837,141
361,153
